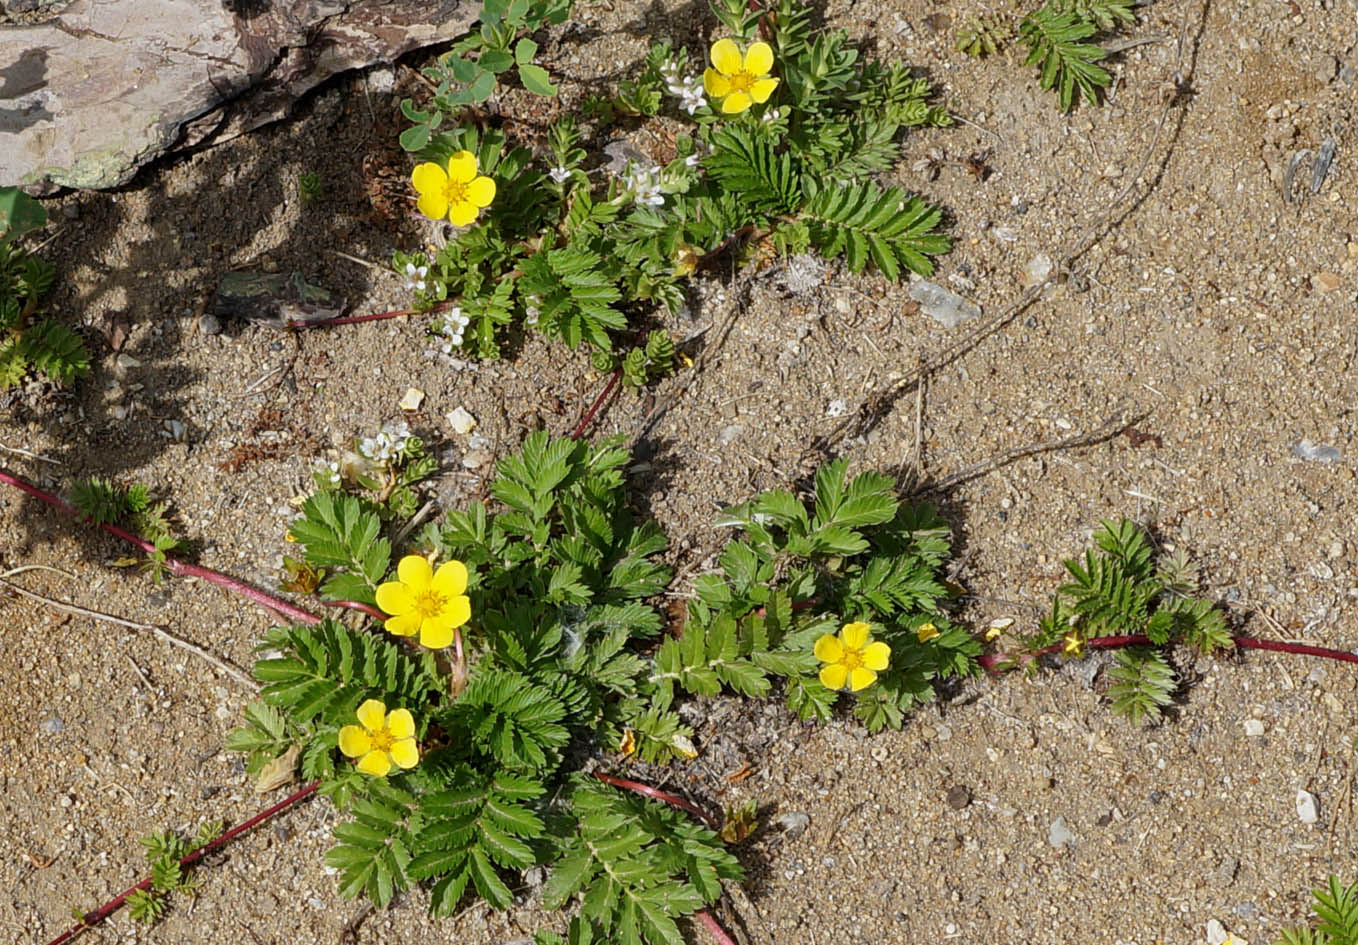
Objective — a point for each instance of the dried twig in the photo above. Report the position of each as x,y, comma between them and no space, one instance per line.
165,635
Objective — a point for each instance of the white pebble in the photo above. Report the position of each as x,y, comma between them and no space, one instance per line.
1254,728
461,421
1306,807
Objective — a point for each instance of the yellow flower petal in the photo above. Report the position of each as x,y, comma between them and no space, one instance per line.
854,635
462,167
833,676
450,579
463,213
354,742
481,191
375,763
829,649
716,84
428,178
459,611
395,598
436,632
404,625
372,715
735,103
415,572
876,656
401,723
926,632
405,753
726,56
762,89
861,678
759,60
434,204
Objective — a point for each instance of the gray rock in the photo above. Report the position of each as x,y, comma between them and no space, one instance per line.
101,88
1059,835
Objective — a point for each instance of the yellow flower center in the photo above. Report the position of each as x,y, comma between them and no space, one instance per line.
430,603
742,81
455,191
851,660
383,740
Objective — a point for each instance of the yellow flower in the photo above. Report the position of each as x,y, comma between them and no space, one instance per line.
926,632
739,81
998,627
1073,644
628,747
852,658
380,739
459,192
426,601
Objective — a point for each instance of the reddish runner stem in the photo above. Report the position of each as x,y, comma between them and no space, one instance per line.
674,800
91,919
177,568
303,323
707,919
588,418
991,662
709,922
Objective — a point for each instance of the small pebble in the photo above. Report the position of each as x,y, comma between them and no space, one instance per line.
836,408
52,726
1059,835
959,796
730,433
1254,728
1325,281
412,399
461,421
475,459
1306,807
793,822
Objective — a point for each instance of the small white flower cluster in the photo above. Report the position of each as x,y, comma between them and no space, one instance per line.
328,473
559,174
390,440
531,312
415,277
688,88
771,115
454,324
644,184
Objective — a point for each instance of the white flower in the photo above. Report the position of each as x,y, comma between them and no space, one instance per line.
390,440
415,277
452,328
692,160
329,473
530,315
770,115
645,185
559,174
689,89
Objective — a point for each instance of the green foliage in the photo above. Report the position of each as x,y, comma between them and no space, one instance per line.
29,341
310,188
1144,684
468,74
106,502
1055,34
637,866
1122,590
797,573
164,850
576,256
1336,909
339,531
984,35
19,214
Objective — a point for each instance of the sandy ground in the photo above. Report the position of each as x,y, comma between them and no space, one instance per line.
1223,313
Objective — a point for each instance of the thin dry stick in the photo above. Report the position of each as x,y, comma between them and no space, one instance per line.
176,567
876,403
123,622
1106,431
